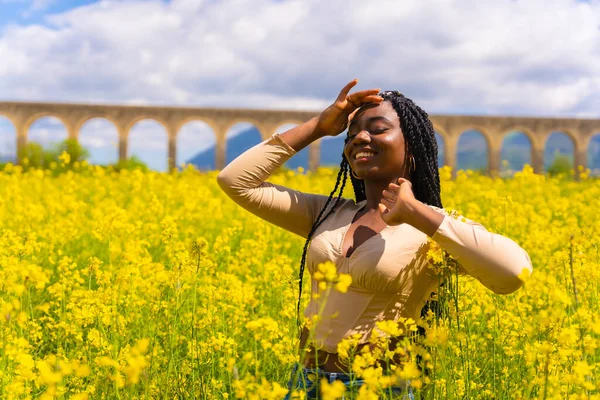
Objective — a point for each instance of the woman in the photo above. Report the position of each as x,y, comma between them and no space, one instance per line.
381,238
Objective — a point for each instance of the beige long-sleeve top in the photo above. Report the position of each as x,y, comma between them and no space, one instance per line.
390,274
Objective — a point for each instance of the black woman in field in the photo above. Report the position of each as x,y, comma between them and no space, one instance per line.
380,238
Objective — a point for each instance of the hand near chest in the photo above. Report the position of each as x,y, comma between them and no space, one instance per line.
399,205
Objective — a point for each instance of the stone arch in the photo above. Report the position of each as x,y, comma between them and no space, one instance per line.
46,129
139,118
516,151
559,142
32,119
196,145
533,139
285,125
473,150
240,137
247,121
100,136
574,139
8,140
441,144
96,116
593,152
148,141
7,116
440,130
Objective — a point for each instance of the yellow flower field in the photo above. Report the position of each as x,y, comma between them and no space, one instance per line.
147,285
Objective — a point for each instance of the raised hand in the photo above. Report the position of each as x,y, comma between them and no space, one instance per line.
334,119
397,202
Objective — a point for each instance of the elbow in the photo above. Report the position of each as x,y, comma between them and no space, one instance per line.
226,183
515,280
222,181
231,186
507,287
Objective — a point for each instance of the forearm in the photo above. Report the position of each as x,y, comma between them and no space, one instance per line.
495,260
302,135
422,217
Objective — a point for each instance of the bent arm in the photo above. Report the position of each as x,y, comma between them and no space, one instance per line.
243,180
495,260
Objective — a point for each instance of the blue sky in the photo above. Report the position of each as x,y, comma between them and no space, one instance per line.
485,57
27,12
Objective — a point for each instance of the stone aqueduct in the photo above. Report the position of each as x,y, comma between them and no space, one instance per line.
450,127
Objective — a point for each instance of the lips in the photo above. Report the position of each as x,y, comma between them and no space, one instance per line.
365,154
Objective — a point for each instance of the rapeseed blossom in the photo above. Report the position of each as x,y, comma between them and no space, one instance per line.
150,285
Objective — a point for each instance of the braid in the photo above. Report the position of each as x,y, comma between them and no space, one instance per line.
419,138
342,176
420,142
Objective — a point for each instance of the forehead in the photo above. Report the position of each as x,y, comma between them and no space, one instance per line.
368,111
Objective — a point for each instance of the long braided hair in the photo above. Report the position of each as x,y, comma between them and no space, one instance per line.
419,139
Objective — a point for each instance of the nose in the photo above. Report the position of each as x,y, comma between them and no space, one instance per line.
361,137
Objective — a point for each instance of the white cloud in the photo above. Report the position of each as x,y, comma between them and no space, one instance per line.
193,138
97,134
478,57
47,131
534,57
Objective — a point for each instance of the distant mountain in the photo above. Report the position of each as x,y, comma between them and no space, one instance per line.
4,158
472,151
331,151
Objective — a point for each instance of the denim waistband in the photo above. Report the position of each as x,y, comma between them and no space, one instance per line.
307,379
330,375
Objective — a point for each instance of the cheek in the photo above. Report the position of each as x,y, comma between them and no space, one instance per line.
347,152
394,147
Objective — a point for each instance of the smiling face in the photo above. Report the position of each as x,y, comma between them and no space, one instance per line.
375,148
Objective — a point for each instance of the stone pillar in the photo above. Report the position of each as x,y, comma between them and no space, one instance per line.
21,131
72,129
220,128
580,158
494,154
314,155
172,154
450,150
221,147
123,132
537,158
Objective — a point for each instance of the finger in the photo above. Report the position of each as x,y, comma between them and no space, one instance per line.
346,89
366,92
357,97
402,181
370,99
387,203
391,196
383,209
393,187
351,116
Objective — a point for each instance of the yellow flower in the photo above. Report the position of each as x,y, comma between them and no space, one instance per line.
345,280
65,157
409,371
332,391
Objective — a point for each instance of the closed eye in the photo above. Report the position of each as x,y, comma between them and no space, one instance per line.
372,131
